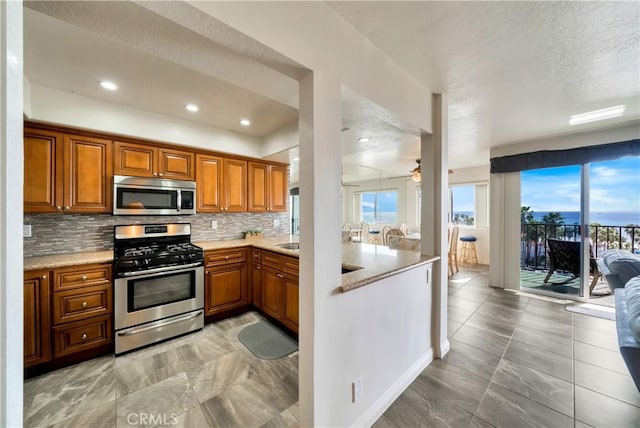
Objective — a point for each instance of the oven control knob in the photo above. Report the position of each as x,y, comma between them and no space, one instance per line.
146,262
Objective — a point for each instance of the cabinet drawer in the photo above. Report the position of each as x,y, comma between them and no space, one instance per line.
217,258
81,335
290,266
256,254
271,259
83,276
82,303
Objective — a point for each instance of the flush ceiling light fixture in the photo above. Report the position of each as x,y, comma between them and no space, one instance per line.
108,85
192,108
245,122
591,116
364,139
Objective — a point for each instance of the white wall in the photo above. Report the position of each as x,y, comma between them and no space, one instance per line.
475,175
281,139
55,106
11,166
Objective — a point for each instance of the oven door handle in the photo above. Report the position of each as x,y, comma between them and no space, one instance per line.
175,269
158,324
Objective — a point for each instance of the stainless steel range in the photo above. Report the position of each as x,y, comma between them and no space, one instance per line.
159,285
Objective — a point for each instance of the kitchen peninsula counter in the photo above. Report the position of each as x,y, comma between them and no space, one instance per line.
372,262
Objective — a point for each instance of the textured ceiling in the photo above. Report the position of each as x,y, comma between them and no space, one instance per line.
512,71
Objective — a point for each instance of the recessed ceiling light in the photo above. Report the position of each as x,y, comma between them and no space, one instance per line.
245,122
364,139
192,107
591,116
108,85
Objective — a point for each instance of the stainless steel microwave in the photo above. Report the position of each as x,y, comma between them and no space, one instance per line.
153,196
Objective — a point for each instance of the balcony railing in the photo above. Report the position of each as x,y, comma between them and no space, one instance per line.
533,251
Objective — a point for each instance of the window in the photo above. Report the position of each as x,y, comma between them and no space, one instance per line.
378,207
468,204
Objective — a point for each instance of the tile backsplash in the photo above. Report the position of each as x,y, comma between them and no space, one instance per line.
73,233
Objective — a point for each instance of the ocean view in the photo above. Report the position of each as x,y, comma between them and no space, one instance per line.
603,218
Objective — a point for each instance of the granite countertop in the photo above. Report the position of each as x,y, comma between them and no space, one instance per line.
375,262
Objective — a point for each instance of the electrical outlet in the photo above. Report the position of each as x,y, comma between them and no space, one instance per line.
356,390
214,224
276,222
26,230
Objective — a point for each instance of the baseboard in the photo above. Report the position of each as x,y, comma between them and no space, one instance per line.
443,349
374,412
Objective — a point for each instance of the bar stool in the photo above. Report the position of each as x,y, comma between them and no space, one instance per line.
469,249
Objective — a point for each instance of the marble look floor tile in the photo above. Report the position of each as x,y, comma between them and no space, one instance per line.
460,315
477,288
452,327
539,322
288,418
282,382
596,338
137,373
548,341
607,382
207,348
594,323
75,390
535,385
489,323
490,342
213,377
500,312
547,302
382,422
540,359
192,418
101,416
601,357
579,424
244,405
459,386
473,294
476,422
508,300
413,409
554,313
503,408
165,399
598,410
477,361
462,303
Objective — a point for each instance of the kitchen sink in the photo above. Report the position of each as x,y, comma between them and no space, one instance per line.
349,268
289,246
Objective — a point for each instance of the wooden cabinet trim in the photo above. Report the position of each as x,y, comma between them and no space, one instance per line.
82,335
82,276
82,303
37,318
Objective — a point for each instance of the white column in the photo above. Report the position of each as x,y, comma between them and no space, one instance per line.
433,153
320,239
11,179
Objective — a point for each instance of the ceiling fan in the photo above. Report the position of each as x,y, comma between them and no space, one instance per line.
416,173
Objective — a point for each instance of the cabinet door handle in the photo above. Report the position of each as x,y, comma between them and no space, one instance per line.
84,304
66,207
84,336
160,174
207,272
58,207
84,277
43,277
226,257
258,267
280,275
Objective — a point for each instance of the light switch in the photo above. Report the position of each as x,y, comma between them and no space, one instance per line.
214,224
276,222
26,230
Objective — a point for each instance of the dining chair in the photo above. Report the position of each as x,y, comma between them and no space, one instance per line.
404,228
452,256
364,231
384,234
392,232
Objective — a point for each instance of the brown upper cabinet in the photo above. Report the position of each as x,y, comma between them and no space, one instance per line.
66,173
267,187
142,160
221,184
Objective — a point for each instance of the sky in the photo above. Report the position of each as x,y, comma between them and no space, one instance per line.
615,187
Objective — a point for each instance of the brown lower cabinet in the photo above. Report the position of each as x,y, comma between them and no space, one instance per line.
226,281
37,321
67,313
279,288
